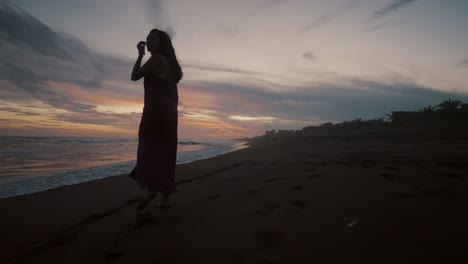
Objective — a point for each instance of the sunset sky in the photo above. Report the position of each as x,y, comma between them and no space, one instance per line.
248,66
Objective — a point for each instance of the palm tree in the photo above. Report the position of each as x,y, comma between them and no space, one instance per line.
449,106
390,116
429,113
428,109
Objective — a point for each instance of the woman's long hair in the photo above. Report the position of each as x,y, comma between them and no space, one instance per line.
166,48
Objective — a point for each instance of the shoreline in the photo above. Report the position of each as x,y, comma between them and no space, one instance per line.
287,200
85,174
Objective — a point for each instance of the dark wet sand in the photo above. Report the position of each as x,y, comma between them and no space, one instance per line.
289,200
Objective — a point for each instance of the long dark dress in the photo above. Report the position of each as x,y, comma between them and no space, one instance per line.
157,137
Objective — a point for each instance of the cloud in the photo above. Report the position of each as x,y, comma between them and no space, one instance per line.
267,4
157,17
395,5
463,63
32,63
308,56
253,118
36,86
232,30
155,10
18,111
380,26
346,99
155,6
217,68
301,103
20,28
318,22
330,16
126,121
31,60
206,105
240,24
52,55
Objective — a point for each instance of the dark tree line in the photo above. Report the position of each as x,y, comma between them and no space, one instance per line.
447,112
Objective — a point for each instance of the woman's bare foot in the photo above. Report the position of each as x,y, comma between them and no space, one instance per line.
164,203
149,196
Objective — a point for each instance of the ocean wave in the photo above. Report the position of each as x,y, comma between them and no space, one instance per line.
190,142
64,139
42,176
86,140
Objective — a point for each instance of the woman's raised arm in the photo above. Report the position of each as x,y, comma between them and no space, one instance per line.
140,71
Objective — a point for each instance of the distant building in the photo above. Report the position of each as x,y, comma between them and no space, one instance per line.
270,133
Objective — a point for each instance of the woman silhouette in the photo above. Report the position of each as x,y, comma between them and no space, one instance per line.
157,137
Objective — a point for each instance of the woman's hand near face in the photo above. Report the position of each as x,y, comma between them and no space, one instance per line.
138,72
141,48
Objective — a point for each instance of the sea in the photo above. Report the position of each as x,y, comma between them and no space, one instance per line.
34,164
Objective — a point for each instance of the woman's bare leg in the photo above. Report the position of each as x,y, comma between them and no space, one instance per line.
165,202
150,195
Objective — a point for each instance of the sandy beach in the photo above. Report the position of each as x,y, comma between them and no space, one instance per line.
318,199
355,112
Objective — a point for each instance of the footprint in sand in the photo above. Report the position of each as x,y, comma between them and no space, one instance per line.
313,176
271,179
451,175
454,164
62,239
208,198
238,178
132,201
440,194
98,216
406,195
112,256
299,162
390,167
263,257
268,237
385,175
429,194
296,188
254,191
300,203
267,208
145,219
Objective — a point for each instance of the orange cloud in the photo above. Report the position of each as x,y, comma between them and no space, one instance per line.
203,113
217,99
209,112
51,128
99,97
